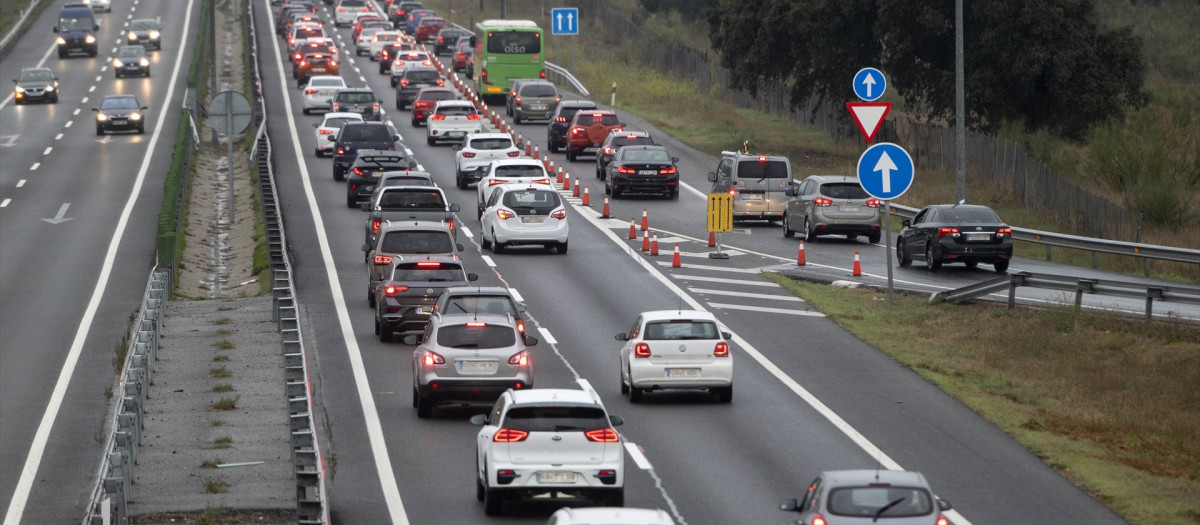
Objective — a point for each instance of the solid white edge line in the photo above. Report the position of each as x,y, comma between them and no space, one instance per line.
16,507
383,464
635,452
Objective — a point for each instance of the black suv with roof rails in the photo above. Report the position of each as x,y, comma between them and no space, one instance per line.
355,136
556,130
76,30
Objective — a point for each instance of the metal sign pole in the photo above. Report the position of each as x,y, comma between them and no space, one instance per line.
229,152
887,234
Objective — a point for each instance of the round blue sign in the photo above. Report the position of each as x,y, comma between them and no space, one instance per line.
885,171
869,84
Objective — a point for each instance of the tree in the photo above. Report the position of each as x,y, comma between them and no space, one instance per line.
1047,63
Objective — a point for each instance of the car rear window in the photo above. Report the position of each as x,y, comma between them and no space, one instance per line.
866,501
569,112
428,272
625,140
352,3
492,304
338,122
967,215
417,242
327,82
437,95
491,144
413,199
645,155
585,119
555,418
767,169
456,110
318,60
543,201
520,171
422,76
680,329
844,190
539,90
355,96
368,133
514,42
468,336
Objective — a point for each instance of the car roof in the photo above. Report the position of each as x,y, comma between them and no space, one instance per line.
613,516
963,206
523,186
489,136
833,178
444,259
355,90
448,103
419,68
659,315
520,161
539,396
439,89
865,476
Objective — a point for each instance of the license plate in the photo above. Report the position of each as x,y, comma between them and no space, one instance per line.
476,367
556,476
751,196
494,89
119,121
537,108
589,150
428,309
533,220
318,70
647,172
683,372
848,208
456,133
979,236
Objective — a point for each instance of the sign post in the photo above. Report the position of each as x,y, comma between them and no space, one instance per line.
885,172
229,111
565,21
720,219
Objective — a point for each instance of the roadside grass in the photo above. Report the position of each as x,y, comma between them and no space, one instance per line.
10,13
225,403
1109,401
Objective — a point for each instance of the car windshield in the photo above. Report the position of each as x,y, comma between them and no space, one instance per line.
867,501
143,24
763,169
680,329
539,90
327,82
405,180
410,199
131,52
474,336
369,32
119,103
35,75
491,144
352,3
365,133
540,200
469,304
417,242
967,216
358,97
555,418
428,272
593,119
75,24
338,122
646,155
569,113
844,190
456,110
520,171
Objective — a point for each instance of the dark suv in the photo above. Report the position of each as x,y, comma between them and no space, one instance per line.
405,297
365,171
360,135
76,30
411,82
357,100
613,142
446,39
556,130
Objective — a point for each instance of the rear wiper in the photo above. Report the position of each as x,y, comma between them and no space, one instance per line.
466,345
560,428
884,508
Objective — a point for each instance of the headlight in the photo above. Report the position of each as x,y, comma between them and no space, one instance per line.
132,36
20,89
101,117
135,116
154,35
90,39
144,62
117,63
61,41
50,88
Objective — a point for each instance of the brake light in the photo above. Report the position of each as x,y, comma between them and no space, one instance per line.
819,520
505,214
440,82
441,39
383,55
333,63
468,155
438,117
375,225
514,154
577,131
519,359
341,151
310,91
560,119
542,74
517,101
603,435
608,150
429,264
942,520
822,201
404,83
375,106
667,171
483,76
1004,231
541,181
393,289
336,106
473,116
520,326
494,182
508,435
953,232
721,350
297,57
626,170
874,203
303,63
358,171
325,131
762,158
476,324
432,358
383,259
559,214
641,350
450,224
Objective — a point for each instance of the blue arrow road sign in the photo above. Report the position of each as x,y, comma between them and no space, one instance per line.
885,171
869,84
564,20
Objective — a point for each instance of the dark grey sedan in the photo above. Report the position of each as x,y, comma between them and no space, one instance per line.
956,233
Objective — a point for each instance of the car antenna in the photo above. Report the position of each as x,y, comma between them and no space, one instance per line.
681,305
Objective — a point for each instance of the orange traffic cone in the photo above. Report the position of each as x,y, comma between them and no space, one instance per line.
645,241
586,201
632,229
654,245
712,239
605,215
560,174
567,182
521,141
675,262
529,149
536,154
857,266
645,220
800,256
575,190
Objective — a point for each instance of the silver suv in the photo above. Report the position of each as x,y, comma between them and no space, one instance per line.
831,205
757,182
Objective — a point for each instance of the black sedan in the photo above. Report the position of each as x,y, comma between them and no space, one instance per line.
953,233
131,60
35,83
644,169
120,113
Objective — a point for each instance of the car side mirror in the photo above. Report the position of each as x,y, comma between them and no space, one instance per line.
472,277
459,246
144,108
95,27
675,159
789,504
726,335
55,28
531,340
616,420
397,138
944,505
790,191
478,420
521,307
454,147
376,276
366,206
454,207
14,81
331,138
96,110
621,337
366,247
905,223
712,176
412,339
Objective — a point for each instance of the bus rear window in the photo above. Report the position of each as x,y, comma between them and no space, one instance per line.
514,42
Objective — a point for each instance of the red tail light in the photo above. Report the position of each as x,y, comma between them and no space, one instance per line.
540,181
721,350
382,259
560,119
483,76
392,290
819,520
310,91
519,359
505,214
953,232
542,74
297,57
520,326
358,171
942,520
404,82
608,150
429,264
641,350
514,154
325,131
874,203
476,324
336,106
375,106
438,117
341,151
473,116
432,359
626,169
559,214
375,225
303,63
333,63
450,224
667,171
762,158
440,82
517,101
603,435
1004,231
577,131
822,201
508,435
468,155
441,39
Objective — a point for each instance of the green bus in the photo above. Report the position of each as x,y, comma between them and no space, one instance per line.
506,50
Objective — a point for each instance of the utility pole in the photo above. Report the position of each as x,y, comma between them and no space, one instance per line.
960,131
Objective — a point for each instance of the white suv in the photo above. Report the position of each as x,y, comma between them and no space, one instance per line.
549,441
522,170
478,149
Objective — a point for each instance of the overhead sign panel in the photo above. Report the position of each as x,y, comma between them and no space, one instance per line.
869,116
885,171
869,84
564,21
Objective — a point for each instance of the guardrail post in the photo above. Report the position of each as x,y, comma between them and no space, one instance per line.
1152,293
1082,287
1048,256
1015,280
116,488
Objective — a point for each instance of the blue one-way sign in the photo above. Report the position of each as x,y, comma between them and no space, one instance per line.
564,21
869,84
885,171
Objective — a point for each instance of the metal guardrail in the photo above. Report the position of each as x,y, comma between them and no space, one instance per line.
16,28
1096,246
1189,295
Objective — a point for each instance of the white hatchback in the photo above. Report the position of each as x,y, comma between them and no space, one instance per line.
329,127
522,215
523,170
548,442
670,349
318,94
479,149
452,120
609,516
346,11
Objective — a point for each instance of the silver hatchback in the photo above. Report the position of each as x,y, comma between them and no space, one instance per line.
831,205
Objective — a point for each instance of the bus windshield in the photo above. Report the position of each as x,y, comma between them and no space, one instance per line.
514,42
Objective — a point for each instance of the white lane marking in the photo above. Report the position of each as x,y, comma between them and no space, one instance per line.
84,101
40,63
635,452
20,497
103,68
5,203
69,122
35,166
725,281
549,338
747,295
21,183
76,112
91,89
48,150
58,137
98,77
765,309
487,259
724,269
383,464
516,295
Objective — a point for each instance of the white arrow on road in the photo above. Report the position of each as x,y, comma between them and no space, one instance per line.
885,165
61,217
869,82
8,141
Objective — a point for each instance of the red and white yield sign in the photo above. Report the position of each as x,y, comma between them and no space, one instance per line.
869,116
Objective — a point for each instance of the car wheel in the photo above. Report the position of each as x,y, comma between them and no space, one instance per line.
1001,266
116,73
54,100
141,130
398,106
377,327
550,146
430,141
810,235
492,500
724,394
788,232
307,111
616,191
874,238
613,498
478,484
371,303
497,246
415,123
635,393
673,194
338,175
931,263
415,395
902,254
62,54
99,130
484,244
570,155
561,248
385,333
424,406
460,180
624,386
351,202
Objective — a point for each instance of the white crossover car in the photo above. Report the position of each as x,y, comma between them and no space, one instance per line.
609,516
522,215
671,349
329,127
548,442
522,170
480,149
318,94
452,120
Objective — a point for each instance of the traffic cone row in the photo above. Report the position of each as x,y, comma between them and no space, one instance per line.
536,155
560,175
654,245
645,241
567,182
632,229
575,190
645,220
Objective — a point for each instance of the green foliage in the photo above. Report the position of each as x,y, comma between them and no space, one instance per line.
1047,63
1169,30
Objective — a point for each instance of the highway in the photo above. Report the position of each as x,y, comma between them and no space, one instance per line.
807,396
77,239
